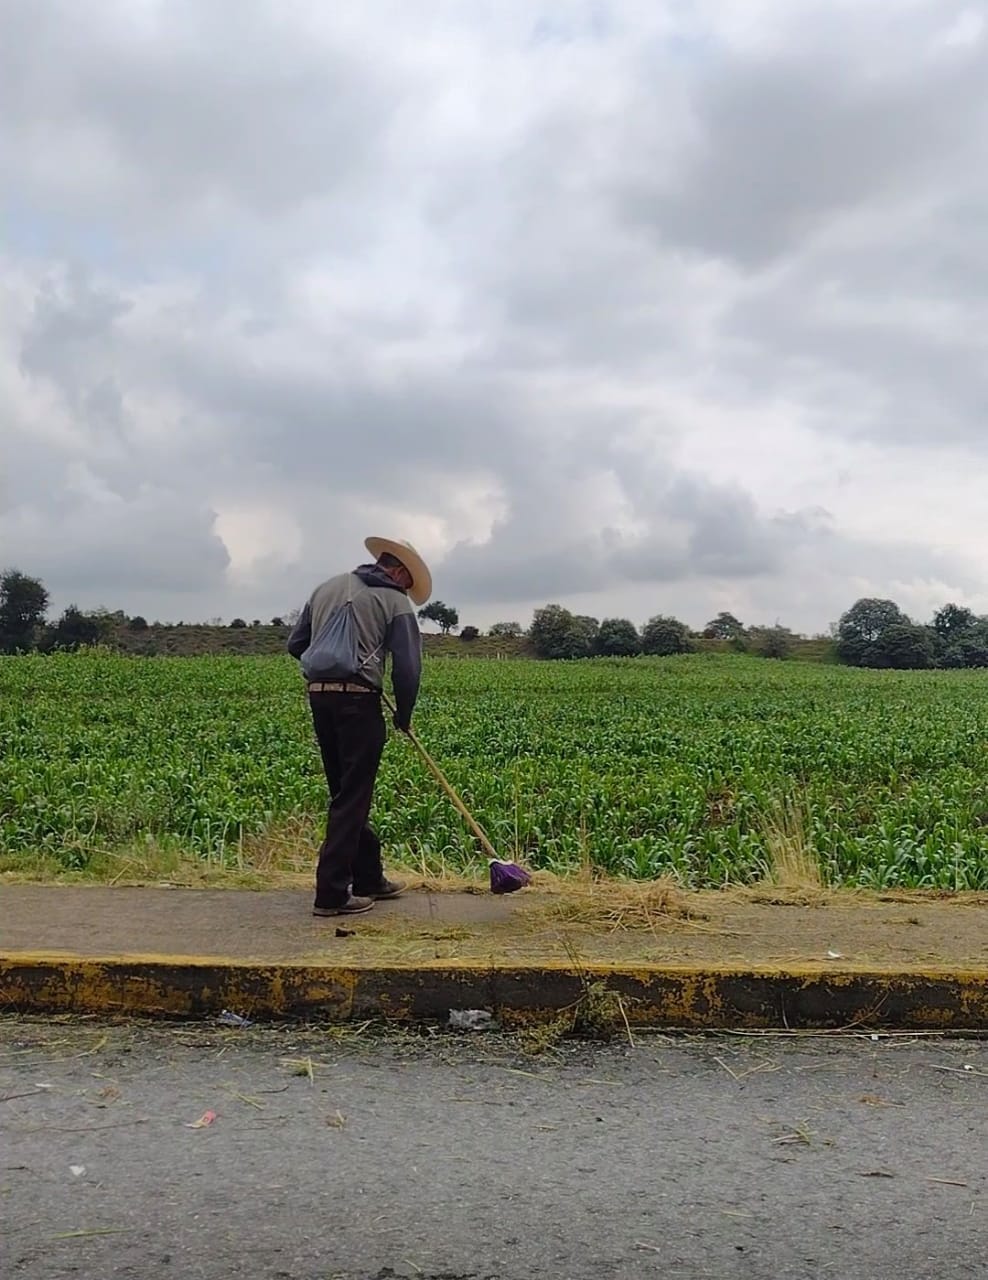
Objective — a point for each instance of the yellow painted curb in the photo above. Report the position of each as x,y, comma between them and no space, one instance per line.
808,995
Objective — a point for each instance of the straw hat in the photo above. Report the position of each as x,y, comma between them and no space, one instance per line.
421,588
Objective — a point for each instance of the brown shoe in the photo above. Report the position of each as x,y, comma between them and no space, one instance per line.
385,890
353,906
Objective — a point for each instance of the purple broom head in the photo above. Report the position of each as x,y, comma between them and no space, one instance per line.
507,877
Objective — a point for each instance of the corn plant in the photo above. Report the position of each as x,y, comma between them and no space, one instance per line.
641,767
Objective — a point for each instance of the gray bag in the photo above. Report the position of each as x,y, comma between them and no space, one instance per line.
334,654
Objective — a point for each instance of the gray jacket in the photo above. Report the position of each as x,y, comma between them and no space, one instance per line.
385,623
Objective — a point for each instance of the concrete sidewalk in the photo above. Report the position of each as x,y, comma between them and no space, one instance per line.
723,960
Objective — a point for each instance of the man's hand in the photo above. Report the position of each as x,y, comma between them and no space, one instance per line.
402,726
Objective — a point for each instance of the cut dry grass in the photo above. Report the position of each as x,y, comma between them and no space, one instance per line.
441,882
597,1014
398,931
603,905
284,857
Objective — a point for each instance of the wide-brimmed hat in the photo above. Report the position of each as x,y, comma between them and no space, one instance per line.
421,588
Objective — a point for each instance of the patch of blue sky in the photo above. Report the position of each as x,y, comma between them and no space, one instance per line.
35,233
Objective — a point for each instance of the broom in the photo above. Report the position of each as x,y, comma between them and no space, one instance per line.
506,877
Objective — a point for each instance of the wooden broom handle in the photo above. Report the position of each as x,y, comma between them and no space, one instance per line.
443,781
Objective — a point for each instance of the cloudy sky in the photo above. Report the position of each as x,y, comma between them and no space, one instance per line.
637,306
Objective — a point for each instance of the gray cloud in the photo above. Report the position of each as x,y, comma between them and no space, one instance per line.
104,548
788,145
272,280
697,530
169,110
890,361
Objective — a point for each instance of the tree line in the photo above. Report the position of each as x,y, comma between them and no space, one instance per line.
871,633
24,625
555,632
876,633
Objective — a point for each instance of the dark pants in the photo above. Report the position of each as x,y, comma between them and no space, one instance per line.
351,733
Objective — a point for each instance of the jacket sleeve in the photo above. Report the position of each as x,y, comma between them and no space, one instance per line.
405,646
301,636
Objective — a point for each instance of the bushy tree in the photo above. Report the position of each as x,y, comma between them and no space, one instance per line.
556,633
470,633
970,649
74,629
665,636
137,623
587,631
906,646
861,628
950,622
618,638
724,627
506,630
238,623
277,622
23,601
444,616
771,642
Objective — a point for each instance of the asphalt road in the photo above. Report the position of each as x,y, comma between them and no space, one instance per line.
462,1157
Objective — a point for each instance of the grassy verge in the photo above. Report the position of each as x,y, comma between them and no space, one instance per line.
283,856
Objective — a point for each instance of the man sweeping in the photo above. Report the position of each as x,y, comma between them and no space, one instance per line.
342,638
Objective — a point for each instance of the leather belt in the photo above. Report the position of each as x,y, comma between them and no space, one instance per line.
339,686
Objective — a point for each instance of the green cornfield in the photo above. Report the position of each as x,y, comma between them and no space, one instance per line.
637,767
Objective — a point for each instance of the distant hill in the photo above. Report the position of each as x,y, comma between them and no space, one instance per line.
189,641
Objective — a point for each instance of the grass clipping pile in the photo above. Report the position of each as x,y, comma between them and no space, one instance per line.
597,906
598,1014
607,906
